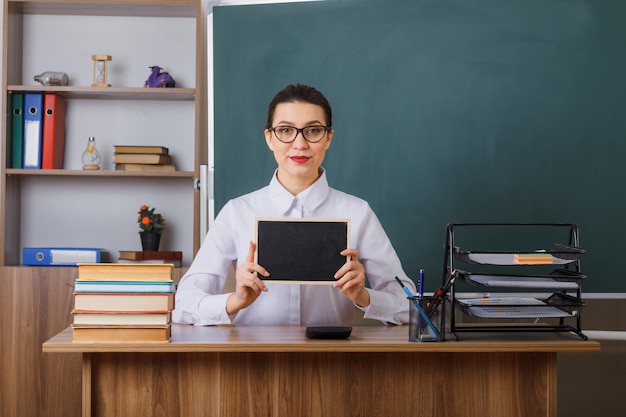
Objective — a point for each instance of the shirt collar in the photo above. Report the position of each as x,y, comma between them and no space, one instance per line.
310,198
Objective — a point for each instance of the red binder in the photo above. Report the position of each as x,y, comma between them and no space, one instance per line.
53,143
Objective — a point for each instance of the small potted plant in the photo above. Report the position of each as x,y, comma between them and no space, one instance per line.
151,225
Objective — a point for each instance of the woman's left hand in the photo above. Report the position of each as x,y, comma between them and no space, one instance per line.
351,279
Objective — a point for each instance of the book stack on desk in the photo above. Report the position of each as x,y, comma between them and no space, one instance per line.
151,257
123,302
142,158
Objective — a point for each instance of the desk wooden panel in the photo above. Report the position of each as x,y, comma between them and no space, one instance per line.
277,372
36,304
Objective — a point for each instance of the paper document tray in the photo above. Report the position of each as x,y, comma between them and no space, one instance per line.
557,305
559,279
557,255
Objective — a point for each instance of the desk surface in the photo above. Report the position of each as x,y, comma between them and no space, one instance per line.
187,338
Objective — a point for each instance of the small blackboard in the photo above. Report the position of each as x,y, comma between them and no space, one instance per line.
301,250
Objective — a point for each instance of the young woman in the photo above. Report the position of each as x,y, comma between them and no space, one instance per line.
299,132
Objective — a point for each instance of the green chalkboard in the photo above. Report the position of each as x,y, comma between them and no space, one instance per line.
444,111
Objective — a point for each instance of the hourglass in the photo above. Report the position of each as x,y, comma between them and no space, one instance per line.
100,70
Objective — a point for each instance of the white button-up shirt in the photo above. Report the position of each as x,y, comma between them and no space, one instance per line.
199,298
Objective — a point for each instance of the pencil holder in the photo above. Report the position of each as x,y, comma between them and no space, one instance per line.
424,320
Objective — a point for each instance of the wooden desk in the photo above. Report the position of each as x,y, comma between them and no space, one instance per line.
277,372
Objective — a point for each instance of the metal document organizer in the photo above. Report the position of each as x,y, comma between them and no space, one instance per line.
555,269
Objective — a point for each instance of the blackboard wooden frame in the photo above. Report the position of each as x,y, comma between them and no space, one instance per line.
301,251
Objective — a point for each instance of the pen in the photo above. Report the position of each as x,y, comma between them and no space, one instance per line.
419,309
421,284
441,292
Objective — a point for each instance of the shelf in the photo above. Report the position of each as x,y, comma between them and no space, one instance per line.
138,8
128,113
556,255
101,173
556,306
561,279
110,93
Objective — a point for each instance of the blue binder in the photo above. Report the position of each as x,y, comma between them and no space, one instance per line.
33,129
60,256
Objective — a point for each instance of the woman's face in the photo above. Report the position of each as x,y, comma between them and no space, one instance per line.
300,160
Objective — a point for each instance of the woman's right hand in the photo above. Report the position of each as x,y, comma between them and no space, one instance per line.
249,286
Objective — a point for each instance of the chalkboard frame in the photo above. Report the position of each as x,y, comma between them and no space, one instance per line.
301,250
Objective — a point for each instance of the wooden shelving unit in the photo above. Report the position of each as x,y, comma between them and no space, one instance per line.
14,183
36,302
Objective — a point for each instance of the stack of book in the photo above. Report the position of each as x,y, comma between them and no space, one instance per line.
123,302
142,158
151,257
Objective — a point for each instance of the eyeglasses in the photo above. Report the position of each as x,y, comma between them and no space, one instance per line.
311,134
